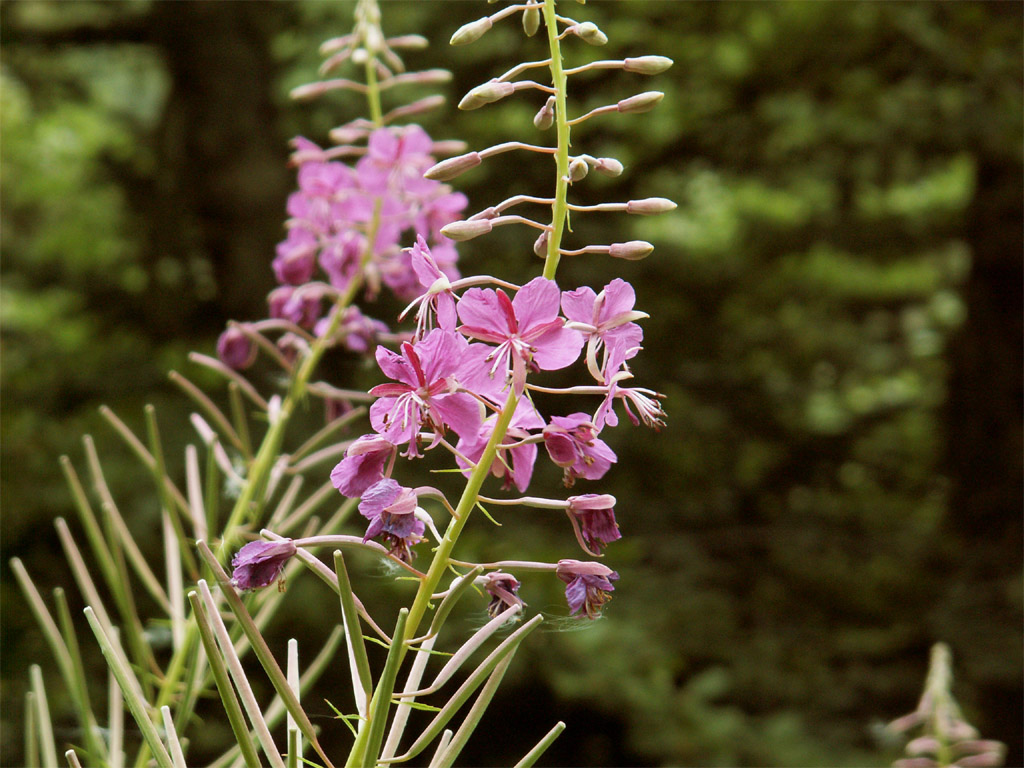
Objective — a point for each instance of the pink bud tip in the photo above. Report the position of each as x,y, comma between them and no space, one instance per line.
487,93
467,230
642,102
647,65
471,32
650,206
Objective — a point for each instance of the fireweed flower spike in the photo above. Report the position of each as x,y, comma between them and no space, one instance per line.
588,586
527,329
259,563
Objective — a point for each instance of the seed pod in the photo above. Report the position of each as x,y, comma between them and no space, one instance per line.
642,102
650,206
470,32
634,250
647,65
488,93
467,230
453,166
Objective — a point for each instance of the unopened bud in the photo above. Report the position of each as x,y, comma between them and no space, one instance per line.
647,65
488,93
546,116
650,206
609,166
588,32
634,250
360,56
540,245
413,42
467,230
578,169
642,102
452,167
531,21
468,33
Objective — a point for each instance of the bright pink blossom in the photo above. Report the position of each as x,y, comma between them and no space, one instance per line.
606,320
427,375
527,329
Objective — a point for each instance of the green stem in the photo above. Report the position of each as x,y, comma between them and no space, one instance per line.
560,208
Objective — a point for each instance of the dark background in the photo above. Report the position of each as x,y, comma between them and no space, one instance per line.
835,320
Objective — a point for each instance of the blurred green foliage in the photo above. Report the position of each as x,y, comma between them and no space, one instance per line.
835,320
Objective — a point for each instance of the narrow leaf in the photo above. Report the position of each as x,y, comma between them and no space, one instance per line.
47,745
362,681
532,756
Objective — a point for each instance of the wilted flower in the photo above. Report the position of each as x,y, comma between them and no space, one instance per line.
259,563
593,519
391,509
503,589
587,586
573,445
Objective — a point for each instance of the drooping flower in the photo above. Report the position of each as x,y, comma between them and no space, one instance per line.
573,444
391,510
527,329
259,563
593,520
363,465
439,300
504,591
514,465
235,349
426,376
588,586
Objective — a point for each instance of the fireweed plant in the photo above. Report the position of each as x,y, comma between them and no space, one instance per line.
373,213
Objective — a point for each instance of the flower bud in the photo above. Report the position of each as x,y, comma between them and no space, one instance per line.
470,32
578,169
531,21
642,102
488,93
546,116
235,349
634,250
487,213
411,42
467,230
588,32
452,167
650,206
540,245
647,65
609,166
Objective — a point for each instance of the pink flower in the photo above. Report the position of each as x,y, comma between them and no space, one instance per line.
606,320
587,585
426,378
363,465
259,563
573,444
527,329
439,300
513,464
391,510
593,519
